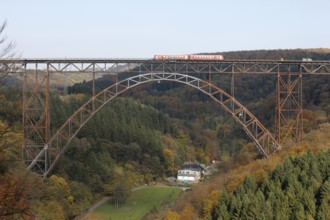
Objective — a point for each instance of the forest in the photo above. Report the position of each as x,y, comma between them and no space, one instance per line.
147,133
300,188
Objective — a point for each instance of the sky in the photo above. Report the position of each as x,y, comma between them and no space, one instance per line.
142,28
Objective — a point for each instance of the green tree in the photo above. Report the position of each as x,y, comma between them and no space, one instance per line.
121,192
323,210
83,197
49,210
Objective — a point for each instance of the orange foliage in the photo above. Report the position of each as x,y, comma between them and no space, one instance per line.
308,114
172,215
210,202
13,197
234,182
188,212
259,175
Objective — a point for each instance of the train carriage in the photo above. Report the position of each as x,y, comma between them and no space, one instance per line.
170,57
205,57
189,57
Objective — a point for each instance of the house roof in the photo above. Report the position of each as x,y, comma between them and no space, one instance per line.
192,166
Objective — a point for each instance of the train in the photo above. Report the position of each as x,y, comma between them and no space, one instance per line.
189,57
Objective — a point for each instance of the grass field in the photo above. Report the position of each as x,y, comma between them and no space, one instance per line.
139,203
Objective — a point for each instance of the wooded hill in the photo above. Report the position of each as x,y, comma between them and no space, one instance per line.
295,54
294,184
146,134
299,188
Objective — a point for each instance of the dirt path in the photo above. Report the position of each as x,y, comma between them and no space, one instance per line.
84,215
102,201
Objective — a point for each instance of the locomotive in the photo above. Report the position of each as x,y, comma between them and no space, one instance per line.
188,57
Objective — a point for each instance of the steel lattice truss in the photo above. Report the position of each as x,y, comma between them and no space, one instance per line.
41,150
289,107
263,139
36,120
178,66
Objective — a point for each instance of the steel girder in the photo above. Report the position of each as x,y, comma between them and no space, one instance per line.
36,92
181,66
263,139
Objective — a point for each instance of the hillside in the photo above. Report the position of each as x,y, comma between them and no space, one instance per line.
292,184
300,188
293,54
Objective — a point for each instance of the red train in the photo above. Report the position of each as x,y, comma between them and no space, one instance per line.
188,57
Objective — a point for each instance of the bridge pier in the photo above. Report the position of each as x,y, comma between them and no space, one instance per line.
36,118
289,113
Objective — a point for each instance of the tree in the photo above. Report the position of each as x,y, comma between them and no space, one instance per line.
121,192
188,212
6,50
49,210
14,190
82,195
209,203
172,215
61,189
323,211
9,139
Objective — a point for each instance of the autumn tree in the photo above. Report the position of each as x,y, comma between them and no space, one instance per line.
188,212
209,203
6,50
14,190
172,215
7,132
9,139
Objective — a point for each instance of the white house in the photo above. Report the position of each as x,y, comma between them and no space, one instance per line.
190,173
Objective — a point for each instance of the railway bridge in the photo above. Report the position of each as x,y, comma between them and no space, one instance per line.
41,149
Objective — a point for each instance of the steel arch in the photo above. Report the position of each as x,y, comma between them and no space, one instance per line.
51,152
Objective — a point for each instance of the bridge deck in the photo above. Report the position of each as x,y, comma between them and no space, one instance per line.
118,65
145,60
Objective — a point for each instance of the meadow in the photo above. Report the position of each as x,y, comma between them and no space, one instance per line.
139,203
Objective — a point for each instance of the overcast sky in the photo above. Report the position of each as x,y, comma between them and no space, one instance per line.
142,28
